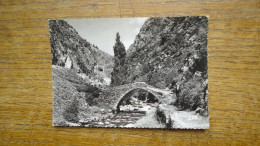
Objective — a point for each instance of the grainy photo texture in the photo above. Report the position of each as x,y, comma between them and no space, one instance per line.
130,72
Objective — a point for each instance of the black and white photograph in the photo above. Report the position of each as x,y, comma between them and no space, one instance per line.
149,72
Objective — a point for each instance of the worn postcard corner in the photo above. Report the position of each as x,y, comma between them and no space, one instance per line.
130,72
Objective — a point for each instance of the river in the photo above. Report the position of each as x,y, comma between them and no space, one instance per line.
118,120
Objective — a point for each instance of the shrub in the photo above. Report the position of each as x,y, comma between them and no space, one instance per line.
191,95
160,115
71,112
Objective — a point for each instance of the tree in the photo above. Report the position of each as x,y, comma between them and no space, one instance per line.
119,60
119,50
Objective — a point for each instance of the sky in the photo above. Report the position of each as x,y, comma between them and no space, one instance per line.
102,32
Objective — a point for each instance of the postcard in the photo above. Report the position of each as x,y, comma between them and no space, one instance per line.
149,72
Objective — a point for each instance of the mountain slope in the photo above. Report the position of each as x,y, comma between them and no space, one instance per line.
71,95
171,52
73,52
77,68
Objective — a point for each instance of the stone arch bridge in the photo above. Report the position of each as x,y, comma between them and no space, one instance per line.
113,95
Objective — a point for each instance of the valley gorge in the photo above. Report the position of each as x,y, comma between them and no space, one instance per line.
168,59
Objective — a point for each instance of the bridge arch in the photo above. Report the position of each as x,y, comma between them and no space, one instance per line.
128,94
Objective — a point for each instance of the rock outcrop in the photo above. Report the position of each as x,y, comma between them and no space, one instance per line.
69,50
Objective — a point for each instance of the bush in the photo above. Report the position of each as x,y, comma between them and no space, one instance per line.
100,69
95,113
71,113
160,115
169,123
192,95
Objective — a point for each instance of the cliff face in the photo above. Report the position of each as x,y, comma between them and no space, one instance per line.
73,52
171,53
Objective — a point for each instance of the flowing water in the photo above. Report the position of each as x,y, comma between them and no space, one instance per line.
118,120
